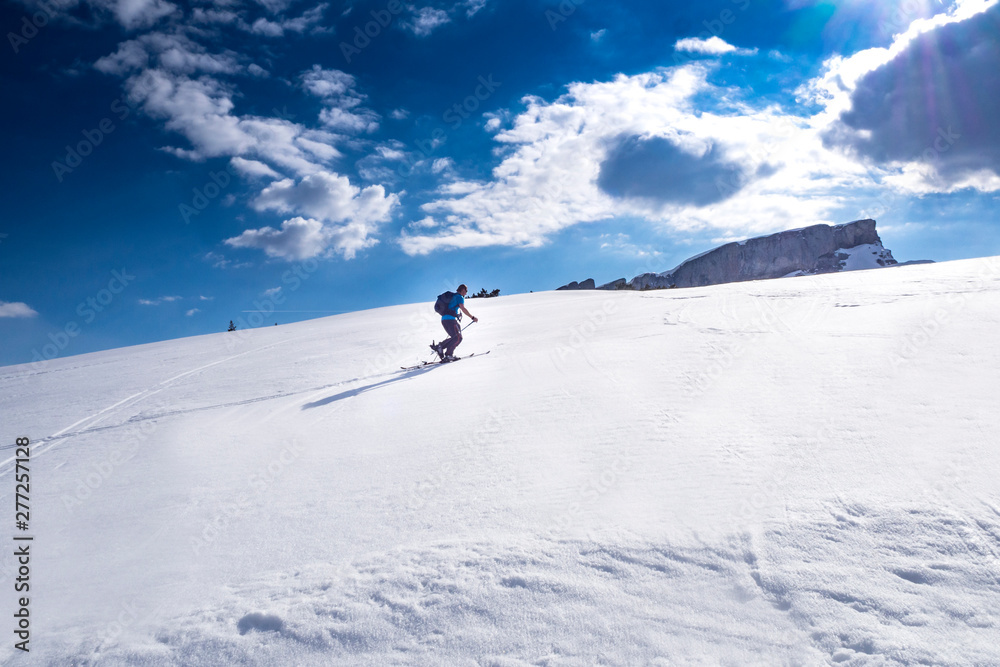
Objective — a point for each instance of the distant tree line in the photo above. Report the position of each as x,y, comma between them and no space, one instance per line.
483,294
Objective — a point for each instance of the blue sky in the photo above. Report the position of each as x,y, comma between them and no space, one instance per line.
172,165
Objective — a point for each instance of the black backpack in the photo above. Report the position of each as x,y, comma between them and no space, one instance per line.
442,303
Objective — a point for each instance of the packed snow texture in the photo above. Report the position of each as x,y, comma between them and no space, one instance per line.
796,471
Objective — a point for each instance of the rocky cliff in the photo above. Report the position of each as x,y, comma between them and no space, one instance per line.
586,284
806,251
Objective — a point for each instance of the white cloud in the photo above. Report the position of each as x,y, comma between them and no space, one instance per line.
328,83
329,197
630,147
201,111
763,170
399,114
598,35
173,53
193,311
338,92
255,70
218,16
159,300
141,13
297,239
714,46
351,122
318,148
198,109
308,21
442,164
473,7
271,292
382,164
219,261
263,26
428,19
253,168
275,6
493,121
899,107
342,218
16,309
331,215
301,238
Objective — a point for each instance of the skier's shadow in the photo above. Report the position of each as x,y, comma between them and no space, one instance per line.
360,390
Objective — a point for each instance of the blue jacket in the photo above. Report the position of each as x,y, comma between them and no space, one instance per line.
452,312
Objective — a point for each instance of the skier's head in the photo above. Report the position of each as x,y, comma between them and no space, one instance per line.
462,289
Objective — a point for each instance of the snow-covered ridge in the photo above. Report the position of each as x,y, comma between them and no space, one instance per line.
777,472
795,252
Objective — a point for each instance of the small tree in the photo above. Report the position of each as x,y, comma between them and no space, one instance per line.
232,327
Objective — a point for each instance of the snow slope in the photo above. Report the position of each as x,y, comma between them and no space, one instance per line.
797,471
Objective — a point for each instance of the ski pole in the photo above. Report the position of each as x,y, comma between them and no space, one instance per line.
468,325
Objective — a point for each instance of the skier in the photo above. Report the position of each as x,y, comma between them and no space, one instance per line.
446,348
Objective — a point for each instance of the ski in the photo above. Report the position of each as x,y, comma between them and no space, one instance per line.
424,364
468,356
420,365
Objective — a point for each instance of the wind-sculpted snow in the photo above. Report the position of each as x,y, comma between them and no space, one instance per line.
773,472
913,587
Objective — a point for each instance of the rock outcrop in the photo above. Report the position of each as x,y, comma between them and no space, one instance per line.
796,252
586,284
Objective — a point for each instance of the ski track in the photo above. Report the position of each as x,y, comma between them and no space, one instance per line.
759,473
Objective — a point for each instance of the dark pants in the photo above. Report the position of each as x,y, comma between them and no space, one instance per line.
455,331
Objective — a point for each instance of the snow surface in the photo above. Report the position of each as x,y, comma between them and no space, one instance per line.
865,256
774,472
